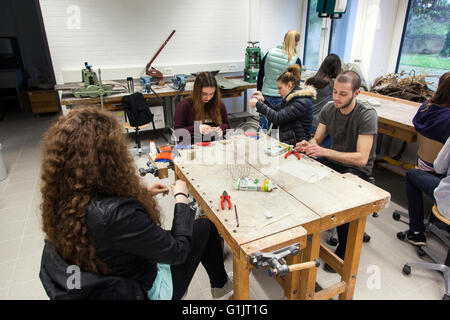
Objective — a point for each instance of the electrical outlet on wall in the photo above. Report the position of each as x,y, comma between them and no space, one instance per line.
232,67
168,71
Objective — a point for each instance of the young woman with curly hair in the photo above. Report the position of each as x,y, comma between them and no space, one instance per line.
100,218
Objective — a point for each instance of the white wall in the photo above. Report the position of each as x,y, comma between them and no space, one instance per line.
121,37
276,18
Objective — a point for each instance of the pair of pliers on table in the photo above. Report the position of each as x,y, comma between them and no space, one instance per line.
224,197
292,151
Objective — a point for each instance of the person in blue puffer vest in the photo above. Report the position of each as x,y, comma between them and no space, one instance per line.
293,116
274,63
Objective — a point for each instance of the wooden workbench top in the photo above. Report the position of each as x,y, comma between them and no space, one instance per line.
167,90
307,190
393,110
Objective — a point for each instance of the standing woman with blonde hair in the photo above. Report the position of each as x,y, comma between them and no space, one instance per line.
203,112
274,63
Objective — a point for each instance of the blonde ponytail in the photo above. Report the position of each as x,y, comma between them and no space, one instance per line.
290,39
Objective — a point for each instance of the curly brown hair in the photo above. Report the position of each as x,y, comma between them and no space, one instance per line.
85,154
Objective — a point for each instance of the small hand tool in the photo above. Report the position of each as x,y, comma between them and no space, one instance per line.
292,151
224,197
237,218
203,144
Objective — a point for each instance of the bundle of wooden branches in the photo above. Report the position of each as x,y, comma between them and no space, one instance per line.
412,87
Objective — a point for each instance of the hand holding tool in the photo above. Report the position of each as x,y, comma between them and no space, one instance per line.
224,197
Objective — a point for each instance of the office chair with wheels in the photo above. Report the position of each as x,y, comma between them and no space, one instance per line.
439,264
139,116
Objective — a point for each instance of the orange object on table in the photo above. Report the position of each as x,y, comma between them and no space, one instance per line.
164,157
202,144
165,149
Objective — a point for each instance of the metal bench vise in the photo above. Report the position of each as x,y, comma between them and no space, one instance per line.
275,260
179,82
145,83
151,169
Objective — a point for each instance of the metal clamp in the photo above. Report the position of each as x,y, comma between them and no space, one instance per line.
152,169
275,260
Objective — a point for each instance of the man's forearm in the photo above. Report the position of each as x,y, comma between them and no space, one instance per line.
349,158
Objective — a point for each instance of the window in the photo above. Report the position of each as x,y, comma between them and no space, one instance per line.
313,37
325,36
426,36
341,38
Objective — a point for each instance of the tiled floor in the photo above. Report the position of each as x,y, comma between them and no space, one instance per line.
21,238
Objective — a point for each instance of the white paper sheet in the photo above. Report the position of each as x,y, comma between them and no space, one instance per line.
305,171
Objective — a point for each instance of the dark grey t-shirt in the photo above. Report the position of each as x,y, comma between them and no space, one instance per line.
344,129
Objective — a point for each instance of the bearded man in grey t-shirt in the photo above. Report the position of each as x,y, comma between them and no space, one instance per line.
352,126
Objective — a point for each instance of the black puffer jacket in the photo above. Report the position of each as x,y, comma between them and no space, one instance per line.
129,243
293,116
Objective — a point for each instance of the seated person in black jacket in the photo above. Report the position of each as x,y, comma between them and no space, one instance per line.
293,115
102,221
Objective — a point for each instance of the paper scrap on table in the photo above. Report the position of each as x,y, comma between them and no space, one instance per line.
305,171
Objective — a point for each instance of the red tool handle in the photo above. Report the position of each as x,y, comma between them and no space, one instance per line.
157,53
202,144
223,199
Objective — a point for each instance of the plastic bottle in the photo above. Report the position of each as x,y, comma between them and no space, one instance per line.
247,184
153,150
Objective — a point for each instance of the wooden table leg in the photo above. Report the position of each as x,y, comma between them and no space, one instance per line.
241,276
293,278
308,276
352,254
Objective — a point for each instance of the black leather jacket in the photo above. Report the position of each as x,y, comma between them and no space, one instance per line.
129,243
293,116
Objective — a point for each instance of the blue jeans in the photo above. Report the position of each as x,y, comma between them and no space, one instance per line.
417,183
263,122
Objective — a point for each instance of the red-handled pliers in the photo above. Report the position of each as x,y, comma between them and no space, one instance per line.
292,151
224,197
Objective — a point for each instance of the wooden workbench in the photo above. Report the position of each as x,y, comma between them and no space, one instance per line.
166,92
394,115
314,206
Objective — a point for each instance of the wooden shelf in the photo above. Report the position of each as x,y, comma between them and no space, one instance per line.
43,101
396,169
